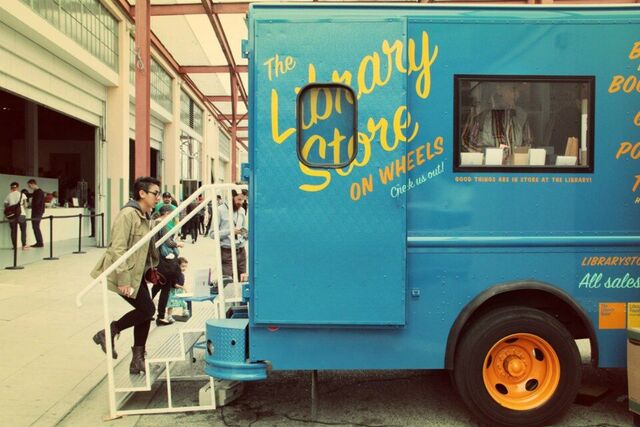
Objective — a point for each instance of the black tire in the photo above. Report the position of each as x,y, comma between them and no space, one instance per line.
488,331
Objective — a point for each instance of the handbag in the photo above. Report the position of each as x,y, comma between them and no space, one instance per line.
152,275
13,211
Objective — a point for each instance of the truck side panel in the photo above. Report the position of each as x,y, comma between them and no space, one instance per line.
466,230
319,259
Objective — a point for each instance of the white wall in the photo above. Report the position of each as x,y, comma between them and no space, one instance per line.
48,185
32,72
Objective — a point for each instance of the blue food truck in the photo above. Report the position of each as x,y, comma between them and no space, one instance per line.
441,187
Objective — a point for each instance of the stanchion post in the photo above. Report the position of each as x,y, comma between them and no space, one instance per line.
50,257
15,265
79,251
102,231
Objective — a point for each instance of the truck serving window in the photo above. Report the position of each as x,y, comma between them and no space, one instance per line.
326,120
523,124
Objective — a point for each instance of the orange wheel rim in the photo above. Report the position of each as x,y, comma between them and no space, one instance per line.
521,372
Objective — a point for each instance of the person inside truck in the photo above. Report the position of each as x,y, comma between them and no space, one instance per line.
502,124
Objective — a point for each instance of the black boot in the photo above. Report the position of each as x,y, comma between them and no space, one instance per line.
100,339
137,360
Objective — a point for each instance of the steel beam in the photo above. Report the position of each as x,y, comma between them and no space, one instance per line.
231,117
218,98
211,69
224,45
234,124
196,9
143,90
225,122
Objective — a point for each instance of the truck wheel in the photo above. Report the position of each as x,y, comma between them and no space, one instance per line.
517,366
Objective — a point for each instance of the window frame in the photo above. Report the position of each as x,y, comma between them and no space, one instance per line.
551,169
299,131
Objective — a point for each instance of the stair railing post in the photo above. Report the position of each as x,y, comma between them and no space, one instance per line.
102,231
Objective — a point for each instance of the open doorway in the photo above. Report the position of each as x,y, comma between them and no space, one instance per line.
55,149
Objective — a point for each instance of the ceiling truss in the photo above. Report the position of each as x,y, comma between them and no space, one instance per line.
236,122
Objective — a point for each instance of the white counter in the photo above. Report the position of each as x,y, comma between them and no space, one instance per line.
63,228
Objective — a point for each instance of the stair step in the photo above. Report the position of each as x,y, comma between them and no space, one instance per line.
201,312
174,348
166,344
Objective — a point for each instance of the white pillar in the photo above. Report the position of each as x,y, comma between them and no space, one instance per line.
171,145
117,129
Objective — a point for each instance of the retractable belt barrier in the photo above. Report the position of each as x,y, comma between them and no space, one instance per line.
15,265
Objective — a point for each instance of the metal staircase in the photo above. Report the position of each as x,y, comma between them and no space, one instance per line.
167,347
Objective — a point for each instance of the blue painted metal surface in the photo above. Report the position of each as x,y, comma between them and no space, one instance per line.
228,338
309,243
226,356
235,371
346,280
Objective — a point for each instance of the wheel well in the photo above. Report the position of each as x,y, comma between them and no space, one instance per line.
540,296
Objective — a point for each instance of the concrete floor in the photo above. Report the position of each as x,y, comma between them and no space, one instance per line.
357,398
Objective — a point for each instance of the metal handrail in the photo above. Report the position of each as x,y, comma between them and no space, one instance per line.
220,300
156,229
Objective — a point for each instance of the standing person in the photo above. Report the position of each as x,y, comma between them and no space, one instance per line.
245,205
131,225
37,211
238,230
168,267
91,204
209,219
505,125
17,199
167,200
201,213
192,224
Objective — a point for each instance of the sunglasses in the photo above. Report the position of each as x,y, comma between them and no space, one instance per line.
155,193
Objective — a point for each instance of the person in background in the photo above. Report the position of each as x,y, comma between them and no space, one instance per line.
91,204
209,219
167,200
237,228
192,225
200,225
504,125
54,200
13,198
168,267
245,205
178,288
37,211
131,225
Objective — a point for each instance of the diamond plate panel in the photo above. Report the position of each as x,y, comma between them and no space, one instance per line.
229,343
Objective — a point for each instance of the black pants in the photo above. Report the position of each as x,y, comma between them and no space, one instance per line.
190,228
227,261
201,227
206,232
140,317
14,230
35,224
163,299
193,229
